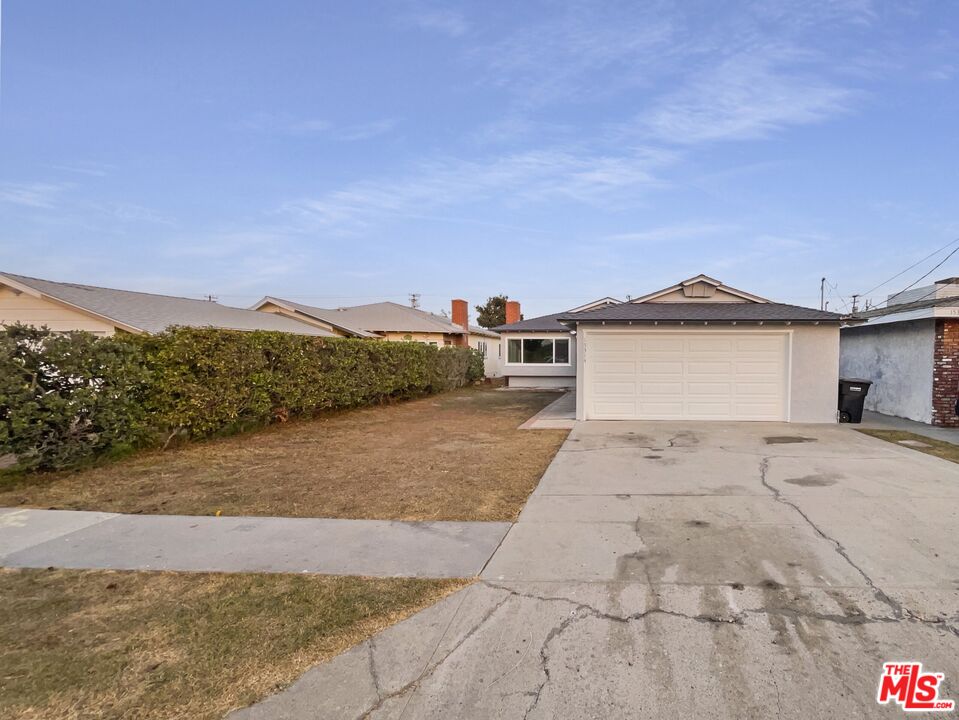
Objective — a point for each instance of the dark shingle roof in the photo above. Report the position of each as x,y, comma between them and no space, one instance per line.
702,311
544,323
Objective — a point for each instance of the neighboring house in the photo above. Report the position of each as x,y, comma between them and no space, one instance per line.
697,350
63,307
395,322
909,349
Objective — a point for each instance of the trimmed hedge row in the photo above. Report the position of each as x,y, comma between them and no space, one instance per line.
67,398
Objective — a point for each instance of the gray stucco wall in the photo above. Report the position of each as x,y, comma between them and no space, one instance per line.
898,358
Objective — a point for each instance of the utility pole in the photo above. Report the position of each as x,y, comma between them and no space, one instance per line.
822,294
855,300
415,300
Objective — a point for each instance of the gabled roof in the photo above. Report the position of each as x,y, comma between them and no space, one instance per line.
486,332
702,312
602,302
140,312
705,279
550,323
329,317
544,323
368,320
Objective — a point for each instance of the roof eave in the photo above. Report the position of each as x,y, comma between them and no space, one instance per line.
34,292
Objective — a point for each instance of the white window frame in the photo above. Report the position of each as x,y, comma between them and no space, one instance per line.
569,351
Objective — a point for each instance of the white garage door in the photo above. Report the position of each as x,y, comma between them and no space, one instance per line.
685,376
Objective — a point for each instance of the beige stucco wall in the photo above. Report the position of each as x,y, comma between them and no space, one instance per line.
30,310
440,339
814,376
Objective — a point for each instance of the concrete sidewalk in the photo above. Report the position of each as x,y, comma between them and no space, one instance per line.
878,421
383,548
558,415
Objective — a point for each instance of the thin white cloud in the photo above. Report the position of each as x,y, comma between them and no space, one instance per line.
89,169
31,195
670,233
747,96
445,21
365,131
518,178
284,123
291,125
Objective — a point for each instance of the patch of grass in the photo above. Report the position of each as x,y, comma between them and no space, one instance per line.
939,448
105,644
455,456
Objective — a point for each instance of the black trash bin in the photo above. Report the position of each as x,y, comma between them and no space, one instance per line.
852,396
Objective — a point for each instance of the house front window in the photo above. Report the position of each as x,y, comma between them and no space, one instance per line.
537,351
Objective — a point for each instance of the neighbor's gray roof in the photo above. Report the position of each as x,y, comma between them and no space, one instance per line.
155,313
702,312
379,317
543,323
907,307
477,330
332,317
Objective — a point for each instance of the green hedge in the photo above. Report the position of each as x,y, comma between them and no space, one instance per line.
67,398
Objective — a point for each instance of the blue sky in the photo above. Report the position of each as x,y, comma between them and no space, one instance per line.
339,153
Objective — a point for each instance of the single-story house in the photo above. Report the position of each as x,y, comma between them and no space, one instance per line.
909,349
394,322
63,307
697,350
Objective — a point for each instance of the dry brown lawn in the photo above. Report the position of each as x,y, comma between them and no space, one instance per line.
456,456
939,448
104,644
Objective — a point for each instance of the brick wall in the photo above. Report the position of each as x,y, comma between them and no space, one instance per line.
945,374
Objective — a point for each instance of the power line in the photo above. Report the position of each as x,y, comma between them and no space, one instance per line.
923,277
899,274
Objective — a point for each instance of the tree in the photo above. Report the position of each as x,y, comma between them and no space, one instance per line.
492,313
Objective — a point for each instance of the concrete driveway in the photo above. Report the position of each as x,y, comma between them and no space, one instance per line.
683,570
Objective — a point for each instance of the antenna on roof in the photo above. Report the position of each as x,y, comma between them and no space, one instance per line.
415,300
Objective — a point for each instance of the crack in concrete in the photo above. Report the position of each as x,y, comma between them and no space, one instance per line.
432,669
588,610
899,612
373,672
554,633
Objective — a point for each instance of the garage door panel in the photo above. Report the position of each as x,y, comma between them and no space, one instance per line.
671,389
756,389
659,345
606,389
764,367
772,345
709,345
610,367
713,367
662,367
652,410
704,376
708,388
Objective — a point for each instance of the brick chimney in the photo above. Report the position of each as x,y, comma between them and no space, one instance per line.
512,312
460,315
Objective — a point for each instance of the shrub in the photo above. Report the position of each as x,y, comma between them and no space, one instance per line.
65,398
